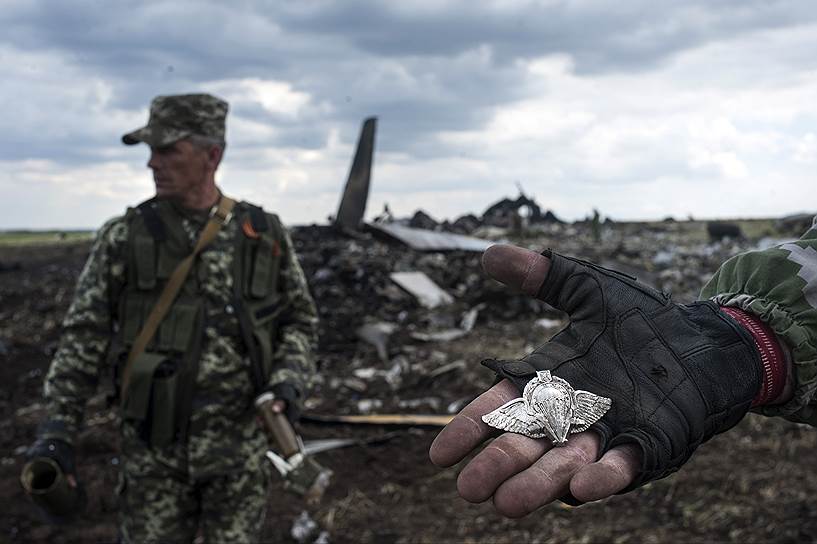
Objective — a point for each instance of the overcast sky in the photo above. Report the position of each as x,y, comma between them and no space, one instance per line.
642,109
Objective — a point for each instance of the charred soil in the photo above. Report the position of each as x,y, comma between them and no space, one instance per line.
753,484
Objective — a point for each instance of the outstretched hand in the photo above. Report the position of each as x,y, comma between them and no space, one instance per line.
522,474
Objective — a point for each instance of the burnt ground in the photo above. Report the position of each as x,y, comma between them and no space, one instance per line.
753,484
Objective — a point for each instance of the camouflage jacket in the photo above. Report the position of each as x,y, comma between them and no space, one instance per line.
223,433
779,285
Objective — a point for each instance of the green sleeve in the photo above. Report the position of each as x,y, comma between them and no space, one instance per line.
74,373
779,285
294,358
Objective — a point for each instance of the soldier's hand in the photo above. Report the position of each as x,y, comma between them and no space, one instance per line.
286,398
279,406
676,376
52,443
523,474
520,473
60,451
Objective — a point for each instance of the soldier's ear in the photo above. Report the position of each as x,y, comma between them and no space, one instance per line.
214,155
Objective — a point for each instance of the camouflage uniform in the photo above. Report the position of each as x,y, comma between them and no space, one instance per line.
214,478
779,285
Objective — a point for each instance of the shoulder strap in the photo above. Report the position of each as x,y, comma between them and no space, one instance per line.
257,218
217,220
153,222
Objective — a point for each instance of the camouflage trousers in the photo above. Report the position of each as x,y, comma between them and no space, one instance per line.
168,509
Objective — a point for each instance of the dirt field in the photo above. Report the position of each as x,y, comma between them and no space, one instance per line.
753,484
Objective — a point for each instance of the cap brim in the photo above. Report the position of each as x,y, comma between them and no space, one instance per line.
154,136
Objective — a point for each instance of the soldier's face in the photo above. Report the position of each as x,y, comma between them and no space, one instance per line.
179,169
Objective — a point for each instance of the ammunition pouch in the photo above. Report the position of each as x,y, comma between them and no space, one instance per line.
260,256
159,388
152,401
178,329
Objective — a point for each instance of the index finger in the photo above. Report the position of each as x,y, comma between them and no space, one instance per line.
467,430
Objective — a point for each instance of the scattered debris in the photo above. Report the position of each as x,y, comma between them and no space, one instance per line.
428,240
303,528
427,293
377,334
469,319
365,406
795,224
439,371
547,323
465,224
311,447
10,267
358,386
506,211
421,220
720,230
432,403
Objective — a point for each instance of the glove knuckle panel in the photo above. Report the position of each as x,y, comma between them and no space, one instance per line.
582,297
571,343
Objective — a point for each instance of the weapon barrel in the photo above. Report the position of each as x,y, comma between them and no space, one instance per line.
44,481
278,426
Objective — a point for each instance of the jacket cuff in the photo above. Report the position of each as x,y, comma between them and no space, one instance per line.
772,358
803,356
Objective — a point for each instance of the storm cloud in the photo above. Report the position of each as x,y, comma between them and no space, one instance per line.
642,109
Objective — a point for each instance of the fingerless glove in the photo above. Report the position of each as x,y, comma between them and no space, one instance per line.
677,374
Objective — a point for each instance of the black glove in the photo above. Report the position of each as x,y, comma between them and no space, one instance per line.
287,392
48,445
677,373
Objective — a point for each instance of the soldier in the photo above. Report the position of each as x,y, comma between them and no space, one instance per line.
243,323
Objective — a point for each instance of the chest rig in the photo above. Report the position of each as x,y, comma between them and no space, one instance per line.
162,378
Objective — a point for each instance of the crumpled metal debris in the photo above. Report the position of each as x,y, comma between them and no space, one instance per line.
429,240
467,323
547,323
303,528
423,288
377,334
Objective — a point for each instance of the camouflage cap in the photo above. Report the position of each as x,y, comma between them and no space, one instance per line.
174,117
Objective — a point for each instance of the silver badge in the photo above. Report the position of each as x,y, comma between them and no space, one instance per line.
549,407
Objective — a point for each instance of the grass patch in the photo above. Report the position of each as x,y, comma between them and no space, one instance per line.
43,237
